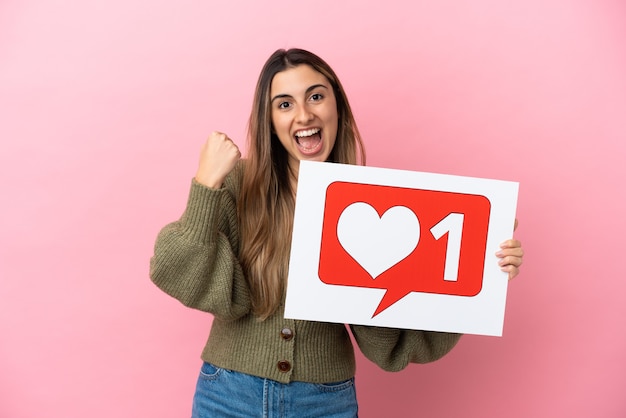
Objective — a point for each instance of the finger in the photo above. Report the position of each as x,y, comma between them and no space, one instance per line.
513,272
511,261
510,243
218,137
515,251
231,146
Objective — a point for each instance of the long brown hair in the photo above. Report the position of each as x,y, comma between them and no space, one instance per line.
266,204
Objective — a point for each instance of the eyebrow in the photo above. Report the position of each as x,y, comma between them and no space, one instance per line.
313,87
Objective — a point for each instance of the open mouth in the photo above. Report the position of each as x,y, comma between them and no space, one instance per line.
309,140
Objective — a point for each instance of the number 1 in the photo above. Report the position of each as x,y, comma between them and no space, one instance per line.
453,226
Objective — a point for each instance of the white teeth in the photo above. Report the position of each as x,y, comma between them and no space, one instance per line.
308,132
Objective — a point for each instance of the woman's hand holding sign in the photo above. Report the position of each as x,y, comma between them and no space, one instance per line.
511,256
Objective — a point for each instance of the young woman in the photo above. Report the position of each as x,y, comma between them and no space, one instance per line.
229,252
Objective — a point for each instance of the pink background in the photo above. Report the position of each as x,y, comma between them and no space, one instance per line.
104,106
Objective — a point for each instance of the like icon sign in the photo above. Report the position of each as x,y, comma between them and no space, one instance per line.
400,249
403,240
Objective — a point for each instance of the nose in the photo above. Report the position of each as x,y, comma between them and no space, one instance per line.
304,114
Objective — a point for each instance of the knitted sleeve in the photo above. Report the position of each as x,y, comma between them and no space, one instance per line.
393,349
195,258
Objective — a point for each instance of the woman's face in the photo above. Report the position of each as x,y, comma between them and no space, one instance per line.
304,114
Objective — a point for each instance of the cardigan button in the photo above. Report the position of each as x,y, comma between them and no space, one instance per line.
286,334
284,366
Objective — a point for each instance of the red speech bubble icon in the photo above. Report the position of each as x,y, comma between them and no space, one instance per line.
403,240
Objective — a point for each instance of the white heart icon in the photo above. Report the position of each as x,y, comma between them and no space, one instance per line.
378,243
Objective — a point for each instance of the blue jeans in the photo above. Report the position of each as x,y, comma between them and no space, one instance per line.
226,393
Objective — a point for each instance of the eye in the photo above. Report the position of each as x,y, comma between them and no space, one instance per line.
316,97
284,105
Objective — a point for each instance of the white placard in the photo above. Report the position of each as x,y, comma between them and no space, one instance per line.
401,249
